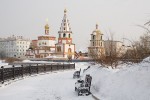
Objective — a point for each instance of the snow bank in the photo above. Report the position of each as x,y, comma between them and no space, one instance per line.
28,61
130,82
2,63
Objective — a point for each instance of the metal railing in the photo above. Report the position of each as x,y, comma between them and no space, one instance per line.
21,70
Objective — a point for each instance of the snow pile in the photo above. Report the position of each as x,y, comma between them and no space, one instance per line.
130,82
2,63
146,59
28,61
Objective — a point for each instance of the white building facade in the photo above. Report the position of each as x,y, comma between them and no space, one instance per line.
14,46
65,48
114,47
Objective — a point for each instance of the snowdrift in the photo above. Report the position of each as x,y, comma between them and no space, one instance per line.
2,63
129,82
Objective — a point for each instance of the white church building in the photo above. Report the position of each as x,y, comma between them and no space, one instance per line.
65,48
43,47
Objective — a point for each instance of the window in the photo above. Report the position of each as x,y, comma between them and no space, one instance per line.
64,35
69,35
93,43
101,44
59,35
64,29
101,37
93,37
59,49
69,50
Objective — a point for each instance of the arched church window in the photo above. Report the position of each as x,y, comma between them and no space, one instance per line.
101,37
69,35
101,44
69,50
93,37
59,49
64,35
64,28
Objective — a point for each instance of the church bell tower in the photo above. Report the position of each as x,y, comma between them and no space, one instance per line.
65,48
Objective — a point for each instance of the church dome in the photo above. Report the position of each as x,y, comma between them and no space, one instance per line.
46,26
65,11
96,31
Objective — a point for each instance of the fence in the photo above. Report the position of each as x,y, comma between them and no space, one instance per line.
28,69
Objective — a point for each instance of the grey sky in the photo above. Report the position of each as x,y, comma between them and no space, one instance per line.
27,17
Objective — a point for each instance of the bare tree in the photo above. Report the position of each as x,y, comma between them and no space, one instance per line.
138,49
112,54
97,56
147,23
143,45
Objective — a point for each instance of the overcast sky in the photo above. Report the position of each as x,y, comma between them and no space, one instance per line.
28,17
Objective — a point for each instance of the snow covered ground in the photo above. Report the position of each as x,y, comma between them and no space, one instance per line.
50,86
2,63
128,82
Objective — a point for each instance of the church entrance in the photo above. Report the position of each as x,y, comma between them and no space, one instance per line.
69,54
